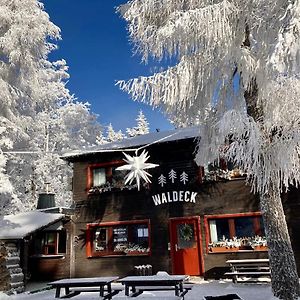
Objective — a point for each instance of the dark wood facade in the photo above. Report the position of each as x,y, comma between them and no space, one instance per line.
35,246
222,197
41,267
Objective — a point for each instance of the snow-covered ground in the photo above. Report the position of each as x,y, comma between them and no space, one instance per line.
246,291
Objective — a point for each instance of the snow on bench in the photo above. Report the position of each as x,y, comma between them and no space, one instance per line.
252,268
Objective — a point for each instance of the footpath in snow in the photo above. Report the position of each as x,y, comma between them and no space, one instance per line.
199,290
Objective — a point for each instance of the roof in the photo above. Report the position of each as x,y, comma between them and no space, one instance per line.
138,141
20,225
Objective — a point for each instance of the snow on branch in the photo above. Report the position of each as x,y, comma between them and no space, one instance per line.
256,44
182,90
276,154
185,32
286,54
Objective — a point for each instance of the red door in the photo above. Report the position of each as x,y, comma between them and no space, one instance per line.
185,245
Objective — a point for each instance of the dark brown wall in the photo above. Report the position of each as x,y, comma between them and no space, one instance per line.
127,205
213,198
45,268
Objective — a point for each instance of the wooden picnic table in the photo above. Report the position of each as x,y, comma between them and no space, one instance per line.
248,267
92,284
250,261
139,284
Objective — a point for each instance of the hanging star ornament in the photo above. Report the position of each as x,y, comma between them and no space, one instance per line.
137,166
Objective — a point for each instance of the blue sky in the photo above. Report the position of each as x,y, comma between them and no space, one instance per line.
96,47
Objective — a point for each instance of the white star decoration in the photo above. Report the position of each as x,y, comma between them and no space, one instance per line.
137,166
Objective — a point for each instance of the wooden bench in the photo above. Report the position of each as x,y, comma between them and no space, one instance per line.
75,286
252,268
186,287
139,284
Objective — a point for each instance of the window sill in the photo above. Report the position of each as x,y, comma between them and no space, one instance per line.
48,256
119,255
229,250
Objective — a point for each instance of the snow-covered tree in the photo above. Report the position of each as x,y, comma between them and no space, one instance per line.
141,128
101,139
69,125
9,201
40,116
236,70
5,184
112,135
25,34
131,132
142,124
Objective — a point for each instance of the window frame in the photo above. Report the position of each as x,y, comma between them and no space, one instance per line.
108,166
46,245
43,248
231,224
110,253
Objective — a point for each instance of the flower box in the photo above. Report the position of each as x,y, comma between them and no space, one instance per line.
236,249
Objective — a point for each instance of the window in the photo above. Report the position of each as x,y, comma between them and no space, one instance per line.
50,243
99,176
119,238
226,233
104,177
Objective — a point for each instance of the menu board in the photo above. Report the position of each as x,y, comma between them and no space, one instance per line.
120,234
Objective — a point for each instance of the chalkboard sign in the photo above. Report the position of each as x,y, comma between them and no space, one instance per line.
120,234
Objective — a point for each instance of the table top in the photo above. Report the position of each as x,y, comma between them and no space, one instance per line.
154,278
253,260
89,281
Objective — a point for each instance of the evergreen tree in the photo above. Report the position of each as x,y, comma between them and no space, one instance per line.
142,124
112,135
141,128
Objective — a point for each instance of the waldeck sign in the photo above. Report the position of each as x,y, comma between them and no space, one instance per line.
174,196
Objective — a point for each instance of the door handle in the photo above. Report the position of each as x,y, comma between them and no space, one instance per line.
176,247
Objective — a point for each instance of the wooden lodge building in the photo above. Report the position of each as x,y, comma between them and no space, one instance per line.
186,221
34,246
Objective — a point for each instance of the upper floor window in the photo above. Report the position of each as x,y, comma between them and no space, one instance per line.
225,233
118,238
103,177
99,176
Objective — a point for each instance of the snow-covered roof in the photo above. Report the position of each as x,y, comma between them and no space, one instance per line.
20,225
138,141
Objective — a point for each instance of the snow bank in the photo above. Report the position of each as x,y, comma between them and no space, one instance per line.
4,296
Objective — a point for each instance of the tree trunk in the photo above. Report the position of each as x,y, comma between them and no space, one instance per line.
284,276
285,280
